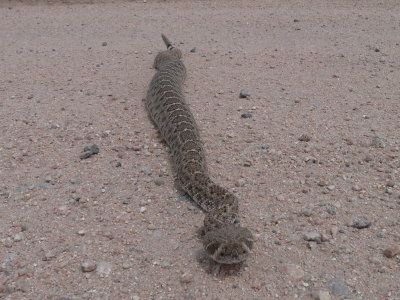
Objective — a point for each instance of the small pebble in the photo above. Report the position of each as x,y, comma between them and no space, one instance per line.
391,251
18,237
126,265
244,94
338,287
246,115
312,245
331,210
362,224
104,268
159,181
89,151
88,266
264,147
307,211
320,295
143,209
186,278
376,142
380,234
193,50
312,236
334,231
81,232
325,237
104,44
304,138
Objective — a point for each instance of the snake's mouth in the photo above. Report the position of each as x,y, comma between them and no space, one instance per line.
228,245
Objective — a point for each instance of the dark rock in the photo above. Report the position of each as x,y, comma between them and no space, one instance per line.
304,138
362,224
89,151
244,94
246,115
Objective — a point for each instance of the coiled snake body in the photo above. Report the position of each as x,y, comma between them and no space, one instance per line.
224,240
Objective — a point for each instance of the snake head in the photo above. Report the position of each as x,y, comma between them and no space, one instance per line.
229,244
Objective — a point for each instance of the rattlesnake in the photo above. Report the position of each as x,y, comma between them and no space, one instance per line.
224,240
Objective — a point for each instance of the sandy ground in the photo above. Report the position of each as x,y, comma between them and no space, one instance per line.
319,153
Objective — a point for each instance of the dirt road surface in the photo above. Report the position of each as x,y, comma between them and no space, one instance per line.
313,153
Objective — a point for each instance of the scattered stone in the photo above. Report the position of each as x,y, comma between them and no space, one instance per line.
390,183
376,142
159,181
186,278
244,94
126,201
312,236
377,50
307,211
104,268
320,295
18,237
304,138
338,287
380,234
331,210
312,245
264,146
142,209
368,158
246,115
50,255
325,237
391,251
247,164
334,231
193,50
88,266
295,272
81,232
362,224
89,151
296,20
126,265
356,188
331,187
118,164
146,171
104,44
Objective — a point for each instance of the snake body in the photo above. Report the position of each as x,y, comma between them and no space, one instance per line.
224,240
